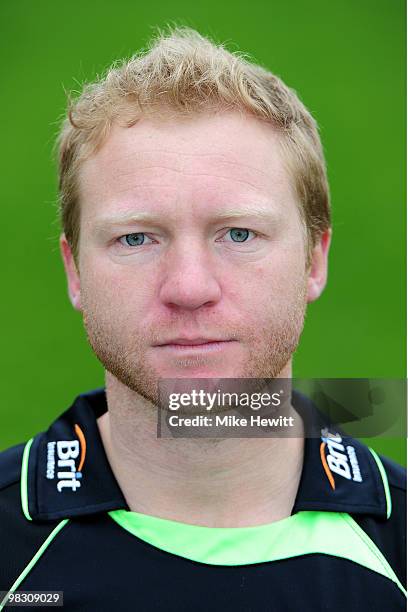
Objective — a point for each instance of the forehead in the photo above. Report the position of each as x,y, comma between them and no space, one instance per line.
205,160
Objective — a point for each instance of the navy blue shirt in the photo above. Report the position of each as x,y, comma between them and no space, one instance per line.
65,526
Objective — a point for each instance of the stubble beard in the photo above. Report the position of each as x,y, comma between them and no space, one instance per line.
269,350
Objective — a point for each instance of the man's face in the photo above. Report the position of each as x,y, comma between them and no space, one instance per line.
191,253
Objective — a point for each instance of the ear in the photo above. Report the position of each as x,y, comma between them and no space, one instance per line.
74,285
318,267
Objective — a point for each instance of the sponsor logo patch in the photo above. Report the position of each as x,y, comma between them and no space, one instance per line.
65,460
338,458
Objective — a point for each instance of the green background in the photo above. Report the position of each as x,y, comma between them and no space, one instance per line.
345,58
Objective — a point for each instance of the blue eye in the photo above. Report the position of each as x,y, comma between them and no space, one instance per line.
238,234
133,239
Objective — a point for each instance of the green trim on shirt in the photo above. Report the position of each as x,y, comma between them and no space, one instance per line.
384,478
304,533
24,480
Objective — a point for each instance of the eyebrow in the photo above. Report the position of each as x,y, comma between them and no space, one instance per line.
123,218
265,213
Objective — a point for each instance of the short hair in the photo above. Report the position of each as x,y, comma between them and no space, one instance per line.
184,73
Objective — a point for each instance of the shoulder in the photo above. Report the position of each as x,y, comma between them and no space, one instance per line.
395,484
389,534
20,538
396,474
10,476
10,465
10,490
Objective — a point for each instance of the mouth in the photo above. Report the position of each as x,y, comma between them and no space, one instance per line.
194,344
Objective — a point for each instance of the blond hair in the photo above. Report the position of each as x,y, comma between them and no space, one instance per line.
184,73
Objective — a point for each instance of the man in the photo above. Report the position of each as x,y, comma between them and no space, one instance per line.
196,223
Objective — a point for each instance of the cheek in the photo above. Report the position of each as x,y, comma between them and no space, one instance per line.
118,291
269,282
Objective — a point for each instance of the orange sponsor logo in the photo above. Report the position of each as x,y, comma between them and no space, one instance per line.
338,459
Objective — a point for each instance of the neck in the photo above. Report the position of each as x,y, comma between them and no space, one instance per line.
234,482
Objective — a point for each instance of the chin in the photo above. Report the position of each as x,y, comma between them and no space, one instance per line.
197,372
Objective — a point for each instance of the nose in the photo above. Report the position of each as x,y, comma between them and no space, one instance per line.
190,280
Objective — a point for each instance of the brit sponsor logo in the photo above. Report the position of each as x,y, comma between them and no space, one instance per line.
338,458
65,460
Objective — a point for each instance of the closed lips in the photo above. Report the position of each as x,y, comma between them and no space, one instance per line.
193,342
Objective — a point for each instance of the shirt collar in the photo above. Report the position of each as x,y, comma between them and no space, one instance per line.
339,473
